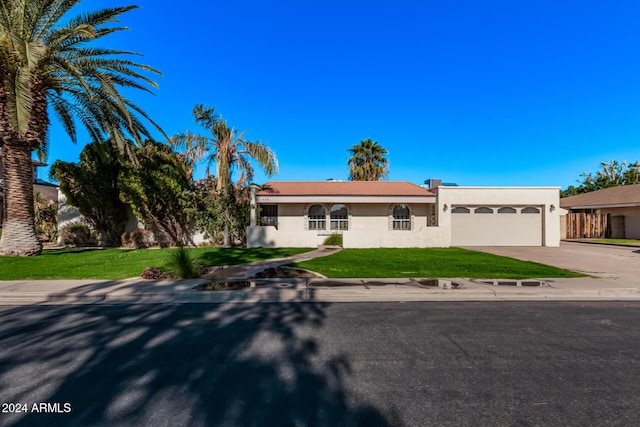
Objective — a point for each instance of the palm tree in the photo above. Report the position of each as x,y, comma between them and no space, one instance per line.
46,65
227,149
367,161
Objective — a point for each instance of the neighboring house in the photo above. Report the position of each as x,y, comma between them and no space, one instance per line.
49,191
372,214
620,204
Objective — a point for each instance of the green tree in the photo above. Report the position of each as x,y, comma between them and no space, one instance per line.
610,174
217,210
158,188
228,150
92,187
47,65
367,161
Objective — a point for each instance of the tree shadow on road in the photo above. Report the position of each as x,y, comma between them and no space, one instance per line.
236,364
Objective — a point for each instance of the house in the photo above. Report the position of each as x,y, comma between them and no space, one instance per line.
47,190
397,214
620,204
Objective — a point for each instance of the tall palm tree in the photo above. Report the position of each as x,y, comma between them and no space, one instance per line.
367,161
227,149
46,65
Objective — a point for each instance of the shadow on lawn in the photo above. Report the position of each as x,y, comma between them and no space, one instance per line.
234,256
199,364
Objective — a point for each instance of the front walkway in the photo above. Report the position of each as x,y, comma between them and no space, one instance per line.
245,271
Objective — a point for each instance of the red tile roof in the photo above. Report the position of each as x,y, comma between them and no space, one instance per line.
623,195
343,188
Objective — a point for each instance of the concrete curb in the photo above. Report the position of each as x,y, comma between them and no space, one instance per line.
135,291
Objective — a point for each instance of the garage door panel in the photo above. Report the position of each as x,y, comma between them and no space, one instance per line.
496,229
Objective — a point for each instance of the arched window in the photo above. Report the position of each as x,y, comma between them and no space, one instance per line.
317,218
483,210
507,210
530,210
460,209
401,218
339,217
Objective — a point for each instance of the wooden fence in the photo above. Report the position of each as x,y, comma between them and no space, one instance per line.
586,226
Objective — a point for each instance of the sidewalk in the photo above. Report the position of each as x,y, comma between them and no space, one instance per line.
138,291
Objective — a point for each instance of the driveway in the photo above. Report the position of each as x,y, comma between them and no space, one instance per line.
615,263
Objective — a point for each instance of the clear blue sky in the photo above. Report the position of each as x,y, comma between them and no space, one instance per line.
473,92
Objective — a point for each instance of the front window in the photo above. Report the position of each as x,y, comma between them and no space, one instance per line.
339,217
317,218
269,215
401,218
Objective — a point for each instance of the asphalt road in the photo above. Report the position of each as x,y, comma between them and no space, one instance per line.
319,364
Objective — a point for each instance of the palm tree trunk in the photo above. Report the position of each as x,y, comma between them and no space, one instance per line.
18,231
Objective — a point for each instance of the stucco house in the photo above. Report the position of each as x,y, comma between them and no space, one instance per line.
620,204
401,214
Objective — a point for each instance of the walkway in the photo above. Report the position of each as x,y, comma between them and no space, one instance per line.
245,271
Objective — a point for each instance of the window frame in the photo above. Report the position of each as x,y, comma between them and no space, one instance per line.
401,223
460,210
317,222
530,210
268,220
341,224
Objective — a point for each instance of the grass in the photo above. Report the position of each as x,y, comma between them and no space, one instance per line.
431,262
111,264
622,242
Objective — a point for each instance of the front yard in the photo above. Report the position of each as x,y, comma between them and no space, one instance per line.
114,264
431,262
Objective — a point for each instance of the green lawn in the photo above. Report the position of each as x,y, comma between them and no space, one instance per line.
622,242
121,263
431,262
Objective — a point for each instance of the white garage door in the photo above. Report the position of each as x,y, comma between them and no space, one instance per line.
496,226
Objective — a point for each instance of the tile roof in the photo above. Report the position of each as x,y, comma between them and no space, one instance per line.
623,195
342,188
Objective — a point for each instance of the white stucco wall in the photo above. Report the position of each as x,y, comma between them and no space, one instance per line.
369,226
543,197
631,219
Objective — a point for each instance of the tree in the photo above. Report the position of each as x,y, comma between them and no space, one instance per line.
367,161
228,150
158,188
46,65
92,187
611,174
217,212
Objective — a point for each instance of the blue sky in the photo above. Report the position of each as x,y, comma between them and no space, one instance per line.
477,93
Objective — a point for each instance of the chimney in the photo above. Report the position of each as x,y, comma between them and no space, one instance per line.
433,182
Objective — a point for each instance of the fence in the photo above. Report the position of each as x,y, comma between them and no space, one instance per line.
586,226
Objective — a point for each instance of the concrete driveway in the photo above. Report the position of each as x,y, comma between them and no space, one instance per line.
615,263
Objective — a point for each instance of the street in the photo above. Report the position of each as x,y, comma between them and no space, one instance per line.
321,364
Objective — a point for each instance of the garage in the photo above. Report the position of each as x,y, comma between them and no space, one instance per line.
496,225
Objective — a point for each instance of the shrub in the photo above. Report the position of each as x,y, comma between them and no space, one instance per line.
334,240
153,273
139,239
78,235
183,264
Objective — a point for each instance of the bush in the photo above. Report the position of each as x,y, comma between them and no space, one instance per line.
139,239
78,235
153,273
334,240
183,264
